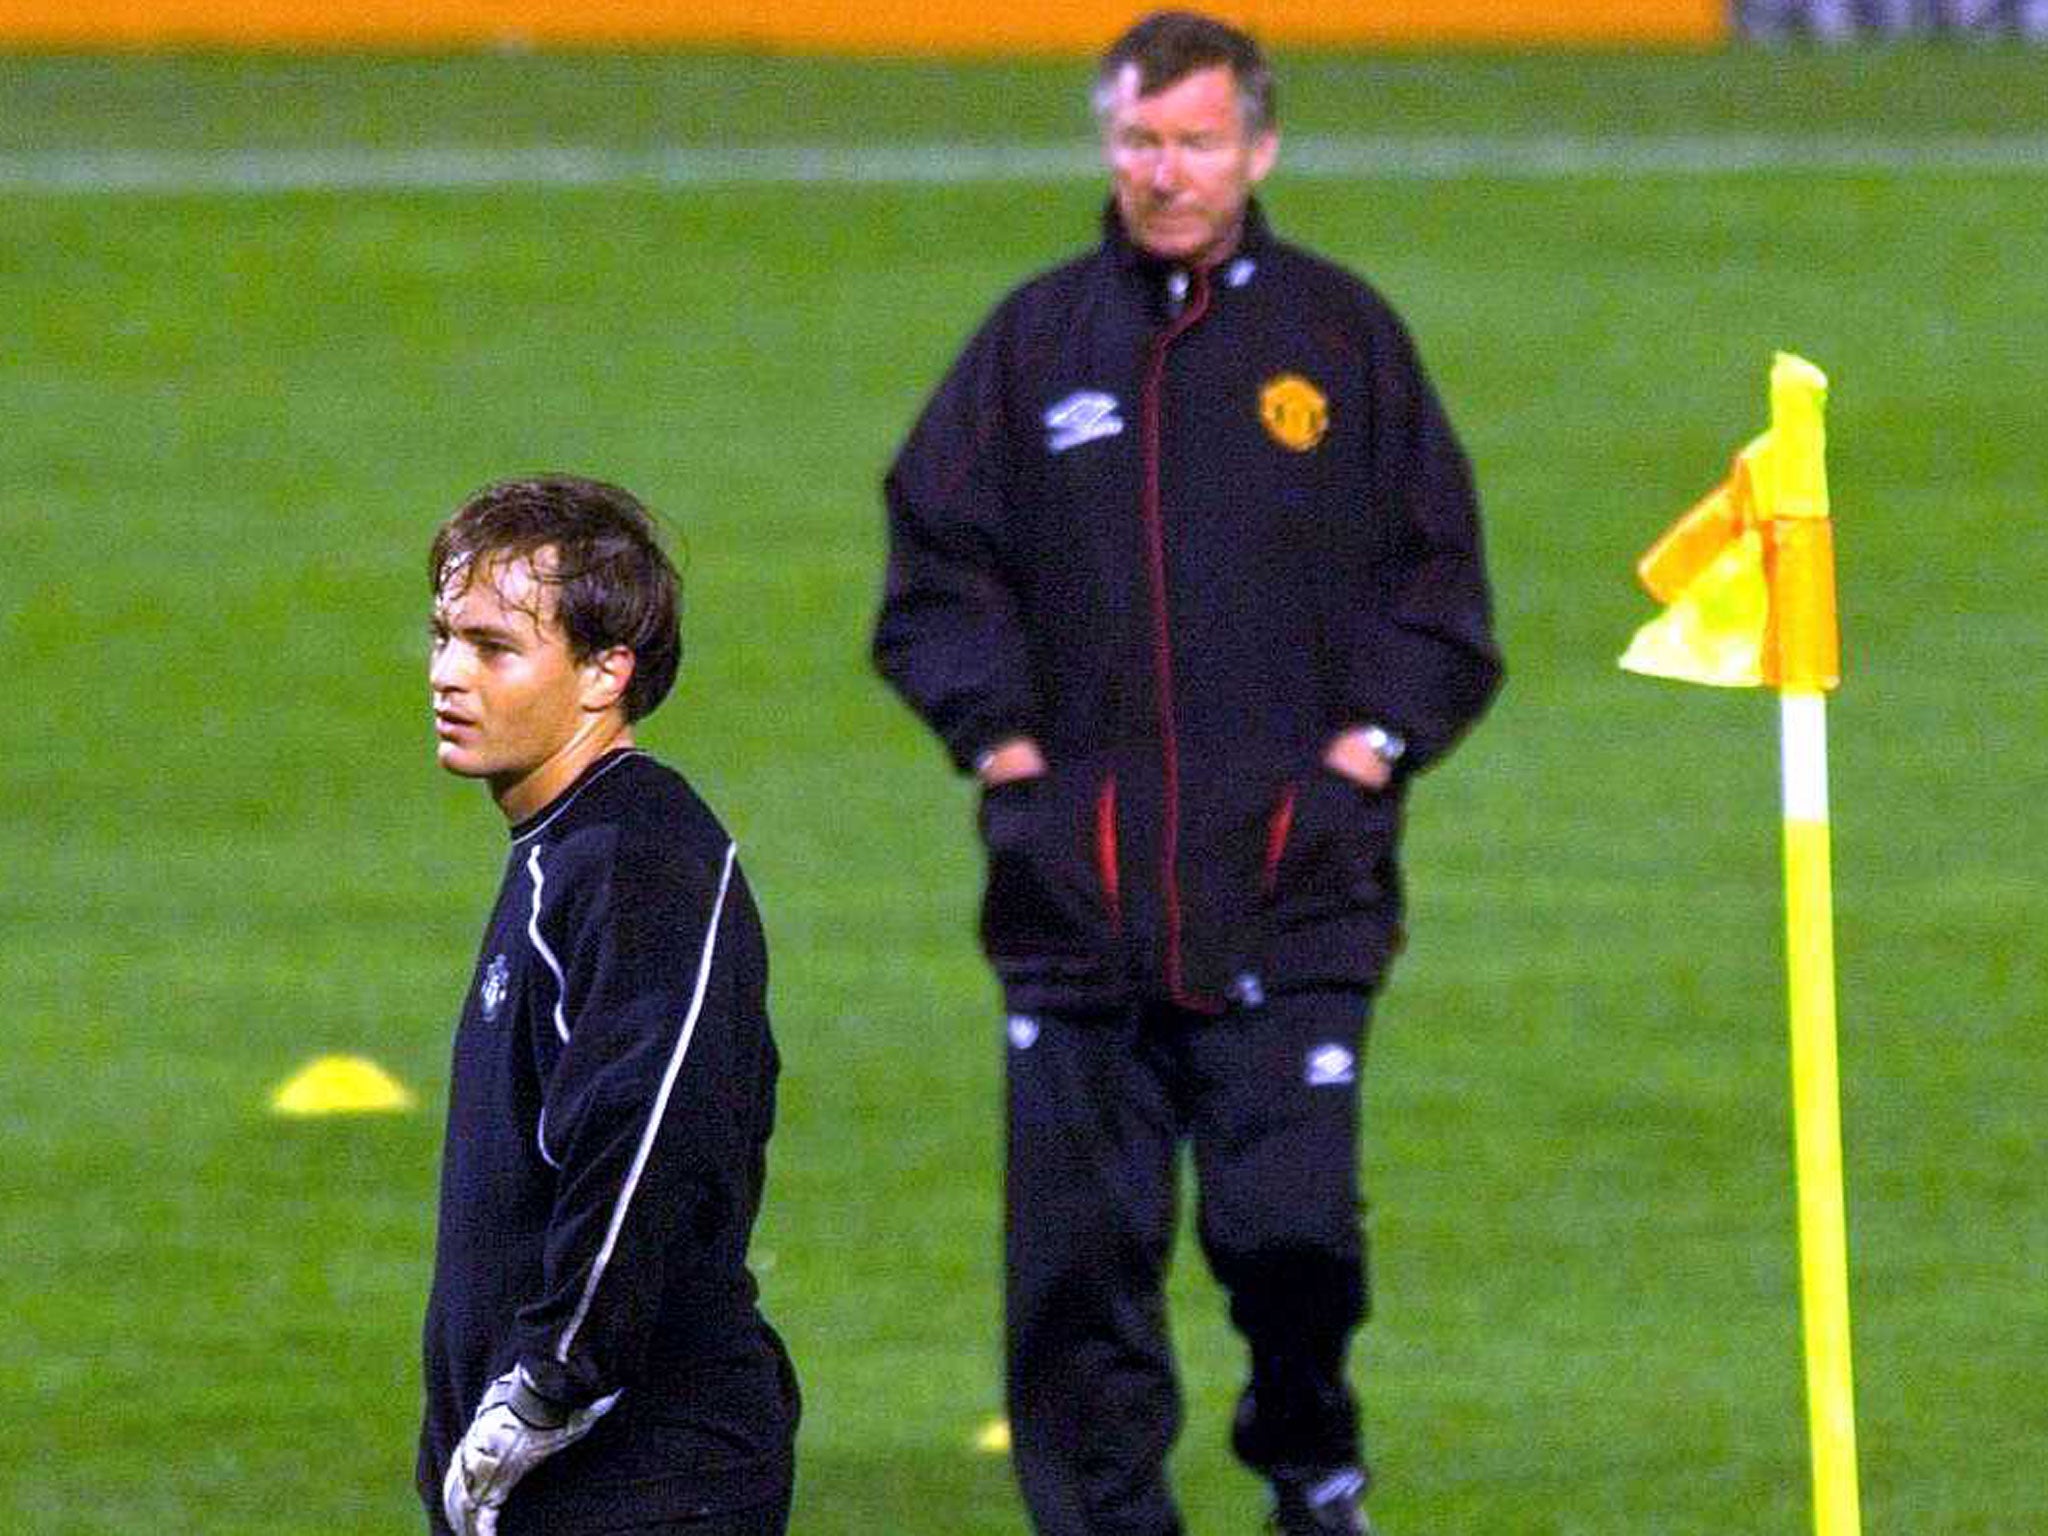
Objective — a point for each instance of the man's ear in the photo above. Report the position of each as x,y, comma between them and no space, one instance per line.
605,677
1265,152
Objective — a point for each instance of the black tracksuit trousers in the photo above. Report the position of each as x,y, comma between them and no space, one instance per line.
1099,1106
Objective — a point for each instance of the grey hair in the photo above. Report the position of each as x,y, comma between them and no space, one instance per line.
1166,47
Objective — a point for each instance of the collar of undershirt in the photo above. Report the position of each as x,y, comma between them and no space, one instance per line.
597,768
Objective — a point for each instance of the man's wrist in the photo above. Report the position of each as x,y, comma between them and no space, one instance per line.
1388,746
1015,757
1365,754
533,1406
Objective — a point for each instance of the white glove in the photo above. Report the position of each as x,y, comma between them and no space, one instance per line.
514,1431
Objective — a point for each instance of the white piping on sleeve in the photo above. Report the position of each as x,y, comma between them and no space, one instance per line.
540,1129
541,944
654,1117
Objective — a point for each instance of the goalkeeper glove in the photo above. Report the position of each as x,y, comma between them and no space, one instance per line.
514,1431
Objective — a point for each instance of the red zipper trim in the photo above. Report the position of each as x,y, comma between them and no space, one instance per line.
1276,837
1162,633
1105,848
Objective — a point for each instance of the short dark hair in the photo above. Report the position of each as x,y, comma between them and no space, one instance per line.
1168,46
614,585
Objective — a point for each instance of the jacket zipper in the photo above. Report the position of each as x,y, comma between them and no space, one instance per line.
1162,635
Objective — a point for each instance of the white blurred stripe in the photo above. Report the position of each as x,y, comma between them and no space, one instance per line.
1360,158
1803,755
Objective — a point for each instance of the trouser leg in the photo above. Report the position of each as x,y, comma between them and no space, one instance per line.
1275,1130
1094,1406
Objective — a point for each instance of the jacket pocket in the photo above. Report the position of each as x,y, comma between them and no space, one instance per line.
1330,849
1046,839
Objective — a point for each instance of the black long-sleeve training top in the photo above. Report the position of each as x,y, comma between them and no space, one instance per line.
610,1104
1183,528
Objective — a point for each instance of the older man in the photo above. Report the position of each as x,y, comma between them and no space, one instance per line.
1185,566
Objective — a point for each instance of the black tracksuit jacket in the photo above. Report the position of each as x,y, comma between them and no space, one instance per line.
609,1109
1184,528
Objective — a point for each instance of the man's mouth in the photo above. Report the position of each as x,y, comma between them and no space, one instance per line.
1172,216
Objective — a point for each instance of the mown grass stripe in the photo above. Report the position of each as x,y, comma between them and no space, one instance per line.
1358,158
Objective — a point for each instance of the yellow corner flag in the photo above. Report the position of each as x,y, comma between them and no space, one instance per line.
1747,576
1748,582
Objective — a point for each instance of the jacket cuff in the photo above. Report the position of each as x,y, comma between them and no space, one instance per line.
532,1408
544,1387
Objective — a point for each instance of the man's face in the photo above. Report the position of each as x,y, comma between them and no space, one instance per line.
1182,164
509,697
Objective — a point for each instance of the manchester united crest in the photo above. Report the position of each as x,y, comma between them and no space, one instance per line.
1294,412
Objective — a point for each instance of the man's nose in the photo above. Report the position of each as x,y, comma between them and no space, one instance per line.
446,673
1166,169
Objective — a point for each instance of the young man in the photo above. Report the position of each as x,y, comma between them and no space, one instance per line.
1185,566
594,1358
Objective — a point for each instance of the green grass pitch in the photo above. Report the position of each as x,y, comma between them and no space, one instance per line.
228,422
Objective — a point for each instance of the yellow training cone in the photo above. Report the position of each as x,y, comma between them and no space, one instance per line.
340,1085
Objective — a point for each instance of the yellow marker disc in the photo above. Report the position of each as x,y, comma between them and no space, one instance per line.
994,1437
340,1085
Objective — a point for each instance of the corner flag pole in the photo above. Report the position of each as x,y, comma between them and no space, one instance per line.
1816,1114
1805,645
1748,580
